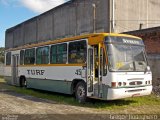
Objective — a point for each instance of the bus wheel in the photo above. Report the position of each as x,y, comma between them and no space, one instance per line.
80,92
23,82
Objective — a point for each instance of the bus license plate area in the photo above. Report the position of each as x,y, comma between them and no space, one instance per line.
135,95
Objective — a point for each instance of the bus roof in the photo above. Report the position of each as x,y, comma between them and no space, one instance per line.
71,39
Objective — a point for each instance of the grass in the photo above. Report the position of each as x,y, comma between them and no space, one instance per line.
1,78
138,105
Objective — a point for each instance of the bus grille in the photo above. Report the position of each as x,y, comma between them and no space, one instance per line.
135,83
137,90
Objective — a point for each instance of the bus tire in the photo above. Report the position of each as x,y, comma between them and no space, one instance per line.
23,82
81,92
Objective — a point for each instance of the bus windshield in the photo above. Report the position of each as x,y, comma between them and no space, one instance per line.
126,57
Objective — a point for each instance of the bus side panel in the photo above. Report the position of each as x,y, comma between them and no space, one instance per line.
60,86
8,79
51,78
7,75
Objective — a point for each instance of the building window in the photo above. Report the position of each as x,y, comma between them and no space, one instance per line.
59,54
21,57
77,52
42,55
29,57
8,58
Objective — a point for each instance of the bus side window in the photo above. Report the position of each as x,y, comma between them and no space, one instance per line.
53,54
77,52
58,54
21,57
96,60
29,57
8,58
42,55
104,65
62,53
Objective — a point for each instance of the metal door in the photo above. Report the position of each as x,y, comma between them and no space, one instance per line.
90,71
15,61
100,71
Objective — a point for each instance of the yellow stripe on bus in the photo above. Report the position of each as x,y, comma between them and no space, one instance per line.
45,65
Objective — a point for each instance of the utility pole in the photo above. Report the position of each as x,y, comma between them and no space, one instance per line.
113,16
94,18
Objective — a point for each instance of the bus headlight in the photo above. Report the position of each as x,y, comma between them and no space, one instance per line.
150,82
124,83
119,84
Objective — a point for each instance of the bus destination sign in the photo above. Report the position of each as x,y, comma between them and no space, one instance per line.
131,41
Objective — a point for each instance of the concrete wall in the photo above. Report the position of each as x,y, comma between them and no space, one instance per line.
45,27
18,35
30,31
9,39
70,19
129,14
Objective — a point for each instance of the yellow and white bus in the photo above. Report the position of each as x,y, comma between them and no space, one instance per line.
104,66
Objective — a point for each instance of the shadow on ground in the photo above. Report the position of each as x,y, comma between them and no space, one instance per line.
53,98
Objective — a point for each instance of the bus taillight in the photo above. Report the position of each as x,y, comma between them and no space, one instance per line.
114,84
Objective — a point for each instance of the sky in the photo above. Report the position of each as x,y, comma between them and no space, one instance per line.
13,12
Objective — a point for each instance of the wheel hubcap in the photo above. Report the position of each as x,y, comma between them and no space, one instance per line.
81,91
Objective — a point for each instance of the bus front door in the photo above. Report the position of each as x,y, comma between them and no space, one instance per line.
95,71
102,69
15,60
90,72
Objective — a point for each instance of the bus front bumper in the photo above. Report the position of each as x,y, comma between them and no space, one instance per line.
119,93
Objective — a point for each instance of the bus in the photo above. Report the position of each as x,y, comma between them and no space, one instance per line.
106,66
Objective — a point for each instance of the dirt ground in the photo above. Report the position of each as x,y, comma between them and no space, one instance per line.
15,106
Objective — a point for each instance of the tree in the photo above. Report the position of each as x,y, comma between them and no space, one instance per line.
1,59
2,55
